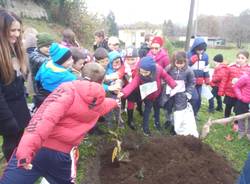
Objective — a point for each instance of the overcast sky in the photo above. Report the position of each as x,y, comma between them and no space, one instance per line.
156,11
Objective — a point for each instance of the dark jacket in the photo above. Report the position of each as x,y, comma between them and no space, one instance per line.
14,113
103,44
143,50
36,59
179,100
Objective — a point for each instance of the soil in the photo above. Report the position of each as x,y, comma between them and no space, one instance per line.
162,160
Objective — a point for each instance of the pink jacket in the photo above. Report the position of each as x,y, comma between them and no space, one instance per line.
161,58
64,118
160,74
242,89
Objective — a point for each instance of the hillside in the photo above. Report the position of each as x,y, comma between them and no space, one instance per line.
25,8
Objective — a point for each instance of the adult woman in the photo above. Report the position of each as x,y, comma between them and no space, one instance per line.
14,113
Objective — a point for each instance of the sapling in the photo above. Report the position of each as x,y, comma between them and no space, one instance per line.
118,154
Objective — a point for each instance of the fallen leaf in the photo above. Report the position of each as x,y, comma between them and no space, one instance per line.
229,137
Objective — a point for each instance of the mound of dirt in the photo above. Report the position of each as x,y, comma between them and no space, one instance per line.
161,160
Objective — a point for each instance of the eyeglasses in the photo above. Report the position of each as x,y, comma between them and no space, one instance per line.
155,48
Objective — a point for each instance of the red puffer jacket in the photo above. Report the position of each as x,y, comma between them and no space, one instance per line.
219,73
242,89
233,73
64,118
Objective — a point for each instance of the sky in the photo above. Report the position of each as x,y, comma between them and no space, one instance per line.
156,11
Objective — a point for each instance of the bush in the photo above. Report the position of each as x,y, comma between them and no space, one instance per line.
179,44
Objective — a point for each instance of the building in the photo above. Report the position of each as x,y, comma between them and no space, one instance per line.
134,34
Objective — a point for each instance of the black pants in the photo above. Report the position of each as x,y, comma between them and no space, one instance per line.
218,98
10,142
230,104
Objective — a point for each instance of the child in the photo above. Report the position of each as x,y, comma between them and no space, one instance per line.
232,74
242,93
183,75
69,38
131,62
219,72
79,60
113,82
145,46
100,40
101,57
36,58
54,72
149,73
198,61
51,139
159,54
113,44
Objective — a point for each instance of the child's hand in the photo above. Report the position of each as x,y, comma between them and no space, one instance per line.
120,94
25,164
194,58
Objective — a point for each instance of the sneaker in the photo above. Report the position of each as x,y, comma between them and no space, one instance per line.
157,126
235,127
132,125
241,135
146,133
219,109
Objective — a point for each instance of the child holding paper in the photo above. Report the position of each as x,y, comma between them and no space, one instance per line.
184,77
148,79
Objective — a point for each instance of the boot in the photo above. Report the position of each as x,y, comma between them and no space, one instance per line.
131,119
172,131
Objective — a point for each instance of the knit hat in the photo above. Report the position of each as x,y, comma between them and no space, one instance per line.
218,58
59,53
113,40
147,63
157,39
131,52
44,39
100,53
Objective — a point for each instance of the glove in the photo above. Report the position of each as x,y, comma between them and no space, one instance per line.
194,58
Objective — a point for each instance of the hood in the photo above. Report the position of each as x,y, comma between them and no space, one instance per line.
197,41
113,55
91,92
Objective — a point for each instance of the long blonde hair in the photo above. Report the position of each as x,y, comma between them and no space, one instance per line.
7,51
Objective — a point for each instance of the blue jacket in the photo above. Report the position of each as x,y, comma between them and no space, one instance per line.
200,67
51,75
113,55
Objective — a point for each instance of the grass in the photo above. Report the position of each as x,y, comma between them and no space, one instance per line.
236,150
43,26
